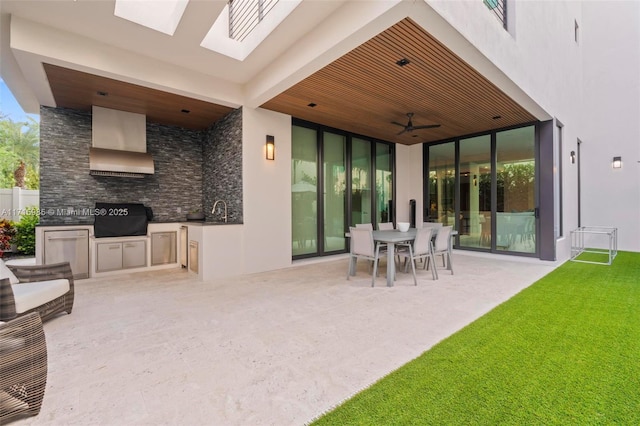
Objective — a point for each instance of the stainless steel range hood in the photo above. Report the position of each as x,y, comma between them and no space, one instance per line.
119,144
111,162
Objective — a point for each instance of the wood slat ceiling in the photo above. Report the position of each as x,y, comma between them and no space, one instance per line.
361,92
365,90
79,90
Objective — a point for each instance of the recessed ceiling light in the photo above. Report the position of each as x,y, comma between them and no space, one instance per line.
496,117
402,62
312,105
101,93
186,111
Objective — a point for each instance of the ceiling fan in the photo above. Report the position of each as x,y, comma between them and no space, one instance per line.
409,127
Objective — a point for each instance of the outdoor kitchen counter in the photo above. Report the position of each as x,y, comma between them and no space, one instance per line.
219,246
218,249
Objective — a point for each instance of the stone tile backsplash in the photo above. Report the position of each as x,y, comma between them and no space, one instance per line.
222,167
186,161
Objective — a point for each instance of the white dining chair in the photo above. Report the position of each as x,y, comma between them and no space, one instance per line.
386,226
362,246
365,225
383,246
442,247
436,226
420,249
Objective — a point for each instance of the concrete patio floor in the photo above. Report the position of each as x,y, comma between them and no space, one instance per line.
274,348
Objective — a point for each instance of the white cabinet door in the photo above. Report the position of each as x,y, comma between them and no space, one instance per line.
109,256
68,246
193,256
163,248
134,254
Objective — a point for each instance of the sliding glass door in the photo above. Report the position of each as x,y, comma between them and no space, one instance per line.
441,182
360,181
335,186
485,186
384,183
304,178
516,184
475,192
337,181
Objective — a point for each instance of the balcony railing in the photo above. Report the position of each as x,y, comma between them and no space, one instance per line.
245,15
499,8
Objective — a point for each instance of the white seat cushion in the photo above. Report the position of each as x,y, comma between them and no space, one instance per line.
6,273
31,295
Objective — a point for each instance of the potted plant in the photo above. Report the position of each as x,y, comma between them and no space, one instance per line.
7,232
195,214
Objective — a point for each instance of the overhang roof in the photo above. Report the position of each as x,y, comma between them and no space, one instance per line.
339,55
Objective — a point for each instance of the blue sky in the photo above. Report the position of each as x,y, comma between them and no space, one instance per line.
10,107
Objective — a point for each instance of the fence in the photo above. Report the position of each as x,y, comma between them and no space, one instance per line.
14,201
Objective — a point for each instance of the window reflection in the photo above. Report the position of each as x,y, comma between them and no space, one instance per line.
335,185
475,192
508,225
303,191
384,183
442,184
515,212
360,181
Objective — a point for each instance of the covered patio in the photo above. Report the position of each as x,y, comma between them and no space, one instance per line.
278,347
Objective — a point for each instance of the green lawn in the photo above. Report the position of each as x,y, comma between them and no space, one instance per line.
564,351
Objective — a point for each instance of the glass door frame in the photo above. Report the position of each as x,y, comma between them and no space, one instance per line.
494,187
320,131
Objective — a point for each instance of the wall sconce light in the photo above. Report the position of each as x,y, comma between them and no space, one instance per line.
617,162
475,180
573,157
271,148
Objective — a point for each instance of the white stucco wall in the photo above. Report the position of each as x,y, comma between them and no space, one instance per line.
591,86
408,181
539,55
267,191
611,118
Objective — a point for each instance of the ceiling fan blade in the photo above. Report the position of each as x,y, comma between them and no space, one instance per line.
409,127
426,126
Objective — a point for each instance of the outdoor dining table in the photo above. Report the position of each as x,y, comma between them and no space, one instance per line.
391,238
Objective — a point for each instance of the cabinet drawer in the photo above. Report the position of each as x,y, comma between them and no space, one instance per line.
134,254
109,257
121,255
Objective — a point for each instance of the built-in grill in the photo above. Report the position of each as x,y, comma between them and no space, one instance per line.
121,219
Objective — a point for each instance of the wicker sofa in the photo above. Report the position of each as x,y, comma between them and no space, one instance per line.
23,367
45,289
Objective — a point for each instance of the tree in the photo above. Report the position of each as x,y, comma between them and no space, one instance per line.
7,160
19,141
